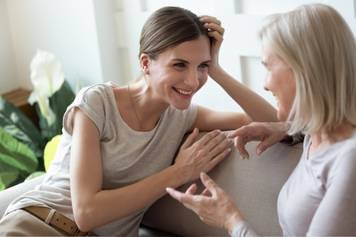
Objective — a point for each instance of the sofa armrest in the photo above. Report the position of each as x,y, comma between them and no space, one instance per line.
254,185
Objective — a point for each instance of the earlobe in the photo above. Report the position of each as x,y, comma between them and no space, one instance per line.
145,62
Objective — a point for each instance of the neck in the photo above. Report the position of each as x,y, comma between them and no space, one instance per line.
324,138
146,105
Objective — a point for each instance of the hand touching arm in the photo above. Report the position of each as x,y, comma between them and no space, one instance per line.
94,207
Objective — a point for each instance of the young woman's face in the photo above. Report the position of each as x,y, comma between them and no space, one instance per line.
279,81
178,72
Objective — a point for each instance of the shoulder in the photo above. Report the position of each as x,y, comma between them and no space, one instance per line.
95,92
345,165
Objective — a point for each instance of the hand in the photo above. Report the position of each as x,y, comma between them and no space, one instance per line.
216,32
268,133
213,206
199,156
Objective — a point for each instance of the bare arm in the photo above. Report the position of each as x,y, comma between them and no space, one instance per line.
257,108
254,105
94,207
208,120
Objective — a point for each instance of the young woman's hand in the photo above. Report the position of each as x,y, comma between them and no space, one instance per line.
201,155
213,206
268,133
216,32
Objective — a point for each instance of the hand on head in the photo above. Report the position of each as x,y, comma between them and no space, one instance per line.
201,155
268,133
216,32
213,206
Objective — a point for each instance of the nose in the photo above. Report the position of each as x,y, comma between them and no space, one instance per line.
265,84
192,79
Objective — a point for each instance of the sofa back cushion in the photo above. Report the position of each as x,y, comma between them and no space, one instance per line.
254,184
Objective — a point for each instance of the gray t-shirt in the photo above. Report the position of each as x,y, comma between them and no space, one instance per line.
319,198
127,155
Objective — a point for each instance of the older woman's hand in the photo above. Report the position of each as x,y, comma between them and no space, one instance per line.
213,206
268,133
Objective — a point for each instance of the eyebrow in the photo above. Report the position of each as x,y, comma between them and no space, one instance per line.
185,61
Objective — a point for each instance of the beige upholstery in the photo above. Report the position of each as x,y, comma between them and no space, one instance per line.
254,184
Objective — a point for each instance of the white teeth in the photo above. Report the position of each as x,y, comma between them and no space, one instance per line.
184,92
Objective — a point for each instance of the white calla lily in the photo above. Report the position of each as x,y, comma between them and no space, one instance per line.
47,77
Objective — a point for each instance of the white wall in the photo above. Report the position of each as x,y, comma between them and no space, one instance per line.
240,52
8,77
80,33
97,40
105,20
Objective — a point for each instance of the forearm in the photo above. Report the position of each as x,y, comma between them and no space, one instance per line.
108,205
254,105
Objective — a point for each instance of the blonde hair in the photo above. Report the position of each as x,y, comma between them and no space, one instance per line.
316,42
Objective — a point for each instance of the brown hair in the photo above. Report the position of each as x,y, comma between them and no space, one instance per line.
168,27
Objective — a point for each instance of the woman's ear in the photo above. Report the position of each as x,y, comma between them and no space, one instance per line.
145,63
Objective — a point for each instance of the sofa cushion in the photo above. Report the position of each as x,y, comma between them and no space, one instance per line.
254,184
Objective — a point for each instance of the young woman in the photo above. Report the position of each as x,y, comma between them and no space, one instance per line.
118,144
310,55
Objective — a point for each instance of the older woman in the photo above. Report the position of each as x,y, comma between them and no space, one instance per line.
310,56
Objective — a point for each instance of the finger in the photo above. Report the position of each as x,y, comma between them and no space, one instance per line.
240,144
192,189
207,137
216,35
241,132
208,19
179,196
208,183
190,139
221,138
217,159
266,143
219,148
206,193
214,27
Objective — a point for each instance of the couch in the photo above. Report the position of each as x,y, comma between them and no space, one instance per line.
254,184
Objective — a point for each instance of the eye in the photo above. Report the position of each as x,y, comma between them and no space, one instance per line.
204,66
179,65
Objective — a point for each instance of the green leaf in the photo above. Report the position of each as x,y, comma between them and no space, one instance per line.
15,155
21,127
58,102
7,178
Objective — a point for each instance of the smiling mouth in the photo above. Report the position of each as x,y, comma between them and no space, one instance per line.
183,92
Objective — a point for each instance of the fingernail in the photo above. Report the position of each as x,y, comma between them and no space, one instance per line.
259,150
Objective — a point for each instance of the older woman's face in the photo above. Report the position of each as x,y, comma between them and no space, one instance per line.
279,81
